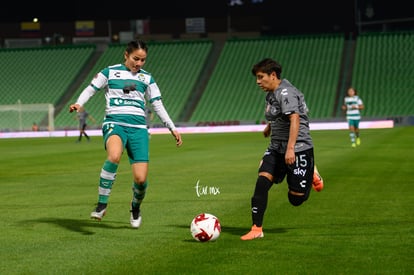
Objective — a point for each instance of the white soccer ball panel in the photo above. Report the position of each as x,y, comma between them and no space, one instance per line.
205,227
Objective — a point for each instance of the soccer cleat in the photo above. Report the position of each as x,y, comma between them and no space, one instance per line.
358,141
97,215
317,183
255,233
136,218
353,145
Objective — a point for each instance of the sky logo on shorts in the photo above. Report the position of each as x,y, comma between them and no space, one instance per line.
300,172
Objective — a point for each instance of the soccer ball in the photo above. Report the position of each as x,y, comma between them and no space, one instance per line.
205,227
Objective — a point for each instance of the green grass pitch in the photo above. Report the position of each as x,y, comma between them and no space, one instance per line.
361,223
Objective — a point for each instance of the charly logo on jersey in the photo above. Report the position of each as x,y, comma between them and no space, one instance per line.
284,92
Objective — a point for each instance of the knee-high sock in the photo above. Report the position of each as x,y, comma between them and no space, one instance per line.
106,180
138,193
259,200
352,137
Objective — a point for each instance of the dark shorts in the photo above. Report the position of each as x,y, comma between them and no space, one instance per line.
134,140
299,176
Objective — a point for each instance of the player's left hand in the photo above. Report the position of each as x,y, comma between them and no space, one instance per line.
177,137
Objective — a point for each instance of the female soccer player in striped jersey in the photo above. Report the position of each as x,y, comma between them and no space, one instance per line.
352,105
127,88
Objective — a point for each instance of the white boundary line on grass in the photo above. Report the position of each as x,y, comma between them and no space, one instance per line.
205,129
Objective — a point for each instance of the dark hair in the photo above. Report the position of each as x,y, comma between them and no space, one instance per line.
355,91
267,66
136,44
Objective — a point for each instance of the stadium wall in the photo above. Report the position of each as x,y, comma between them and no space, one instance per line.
206,129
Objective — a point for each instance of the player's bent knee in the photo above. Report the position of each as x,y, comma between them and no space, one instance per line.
295,199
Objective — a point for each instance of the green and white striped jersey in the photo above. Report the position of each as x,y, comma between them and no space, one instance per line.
352,102
126,94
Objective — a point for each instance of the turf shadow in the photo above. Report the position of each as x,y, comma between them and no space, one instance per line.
75,225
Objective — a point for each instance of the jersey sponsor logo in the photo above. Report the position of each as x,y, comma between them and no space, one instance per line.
124,102
300,172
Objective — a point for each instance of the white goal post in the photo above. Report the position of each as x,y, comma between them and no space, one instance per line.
21,117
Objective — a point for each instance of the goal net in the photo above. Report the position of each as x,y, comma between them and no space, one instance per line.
21,117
